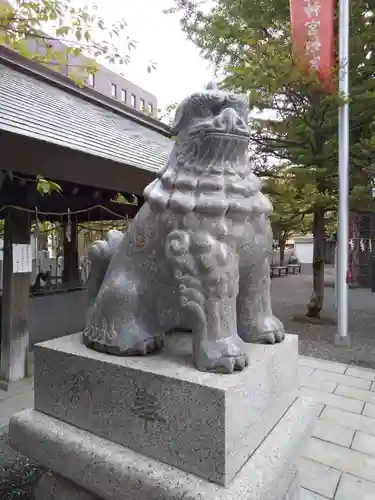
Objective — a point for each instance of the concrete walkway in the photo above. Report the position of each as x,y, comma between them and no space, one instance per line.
338,462
19,396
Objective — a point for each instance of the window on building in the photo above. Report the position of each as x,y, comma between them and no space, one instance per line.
123,95
142,105
133,101
150,108
114,90
91,80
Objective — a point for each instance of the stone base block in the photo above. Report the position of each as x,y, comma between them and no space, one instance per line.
163,407
53,487
96,466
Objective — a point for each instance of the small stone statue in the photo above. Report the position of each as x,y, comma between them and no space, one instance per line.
197,254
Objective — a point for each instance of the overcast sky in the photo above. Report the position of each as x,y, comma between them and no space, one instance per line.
180,69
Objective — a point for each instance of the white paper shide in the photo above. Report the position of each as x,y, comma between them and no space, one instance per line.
22,258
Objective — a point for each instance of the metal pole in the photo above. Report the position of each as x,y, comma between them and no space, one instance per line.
336,274
342,336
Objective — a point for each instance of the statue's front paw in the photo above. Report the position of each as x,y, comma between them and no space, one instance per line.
140,348
272,337
131,339
267,329
221,356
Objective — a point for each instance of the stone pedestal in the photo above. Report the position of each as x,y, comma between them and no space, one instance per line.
156,428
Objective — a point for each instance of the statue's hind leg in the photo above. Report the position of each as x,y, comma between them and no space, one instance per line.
117,322
256,322
100,253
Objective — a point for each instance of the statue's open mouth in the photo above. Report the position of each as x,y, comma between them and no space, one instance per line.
228,123
238,134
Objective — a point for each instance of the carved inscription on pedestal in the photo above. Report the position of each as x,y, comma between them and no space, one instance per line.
80,384
147,407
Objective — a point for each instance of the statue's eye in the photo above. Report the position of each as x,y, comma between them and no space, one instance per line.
216,108
200,107
218,105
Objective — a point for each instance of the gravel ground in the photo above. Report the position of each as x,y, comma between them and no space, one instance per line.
18,475
290,295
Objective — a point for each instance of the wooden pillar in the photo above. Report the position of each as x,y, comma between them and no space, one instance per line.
71,264
15,301
141,202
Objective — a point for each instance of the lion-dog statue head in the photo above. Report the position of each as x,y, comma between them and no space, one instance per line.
208,170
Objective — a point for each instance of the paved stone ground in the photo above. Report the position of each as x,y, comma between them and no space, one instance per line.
339,459
291,294
18,475
337,463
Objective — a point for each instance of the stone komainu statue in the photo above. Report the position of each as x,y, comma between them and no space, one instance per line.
197,254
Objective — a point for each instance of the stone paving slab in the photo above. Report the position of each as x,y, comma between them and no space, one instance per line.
369,410
338,378
15,403
346,419
333,400
310,495
14,388
351,392
353,488
364,443
318,477
337,434
338,462
365,373
340,458
329,366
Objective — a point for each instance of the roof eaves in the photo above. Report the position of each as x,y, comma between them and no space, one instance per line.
36,70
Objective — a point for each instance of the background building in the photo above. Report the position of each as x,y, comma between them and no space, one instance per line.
104,81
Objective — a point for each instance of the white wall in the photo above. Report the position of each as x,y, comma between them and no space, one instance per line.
304,251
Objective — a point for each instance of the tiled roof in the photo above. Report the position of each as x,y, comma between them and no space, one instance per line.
35,108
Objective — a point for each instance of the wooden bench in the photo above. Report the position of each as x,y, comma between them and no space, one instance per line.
278,271
294,268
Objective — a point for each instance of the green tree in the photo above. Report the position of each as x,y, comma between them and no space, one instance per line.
35,28
84,33
250,43
291,211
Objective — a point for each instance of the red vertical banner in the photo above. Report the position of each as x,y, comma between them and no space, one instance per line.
313,36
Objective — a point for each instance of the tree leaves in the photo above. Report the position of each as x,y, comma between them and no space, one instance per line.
85,34
45,187
249,42
296,146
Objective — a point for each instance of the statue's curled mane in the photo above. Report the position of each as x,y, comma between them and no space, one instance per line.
217,188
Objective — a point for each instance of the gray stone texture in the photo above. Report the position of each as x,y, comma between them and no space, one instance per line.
197,253
113,472
52,487
294,489
162,407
